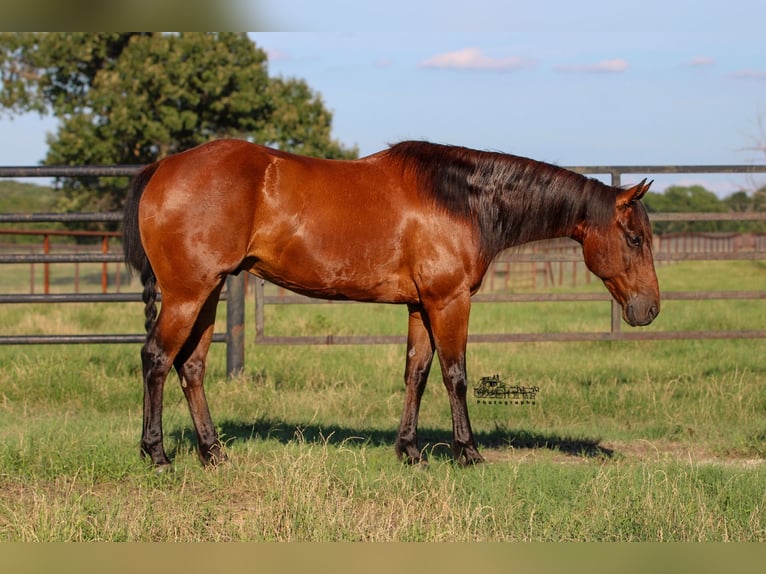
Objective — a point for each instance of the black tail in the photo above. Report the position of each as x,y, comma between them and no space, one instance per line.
135,256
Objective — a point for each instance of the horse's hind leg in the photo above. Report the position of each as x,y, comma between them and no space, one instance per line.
170,335
190,364
163,343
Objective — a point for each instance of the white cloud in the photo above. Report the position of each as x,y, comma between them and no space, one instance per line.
700,62
473,59
750,74
615,66
277,55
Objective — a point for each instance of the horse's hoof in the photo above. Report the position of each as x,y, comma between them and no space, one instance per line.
470,458
163,469
215,456
409,455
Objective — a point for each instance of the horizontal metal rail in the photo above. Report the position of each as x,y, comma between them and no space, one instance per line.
711,256
707,216
616,336
70,171
60,217
232,337
604,296
533,297
330,340
35,298
668,169
60,233
83,339
61,258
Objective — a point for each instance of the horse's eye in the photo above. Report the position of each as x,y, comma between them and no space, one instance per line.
635,240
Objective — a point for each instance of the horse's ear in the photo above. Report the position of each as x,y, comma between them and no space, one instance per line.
629,196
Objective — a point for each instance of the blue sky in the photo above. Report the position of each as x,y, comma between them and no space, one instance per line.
574,83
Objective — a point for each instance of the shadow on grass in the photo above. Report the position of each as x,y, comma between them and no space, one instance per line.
435,442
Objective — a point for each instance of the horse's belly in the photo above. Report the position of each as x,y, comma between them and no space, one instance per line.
361,281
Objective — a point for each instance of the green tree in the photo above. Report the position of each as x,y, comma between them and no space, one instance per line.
739,202
694,198
680,199
697,199
759,199
131,98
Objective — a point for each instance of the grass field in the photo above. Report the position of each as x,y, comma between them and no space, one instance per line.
627,441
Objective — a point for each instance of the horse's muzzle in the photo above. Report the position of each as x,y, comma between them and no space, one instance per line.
640,311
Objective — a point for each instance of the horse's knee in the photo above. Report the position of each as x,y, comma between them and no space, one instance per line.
454,379
192,372
155,360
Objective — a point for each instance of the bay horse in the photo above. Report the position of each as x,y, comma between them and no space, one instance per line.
416,224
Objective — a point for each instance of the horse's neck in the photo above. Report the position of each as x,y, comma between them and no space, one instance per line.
544,215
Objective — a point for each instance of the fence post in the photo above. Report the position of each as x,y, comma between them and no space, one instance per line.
46,266
260,313
235,324
104,265
616,316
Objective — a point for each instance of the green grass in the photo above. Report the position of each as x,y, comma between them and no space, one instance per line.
628,440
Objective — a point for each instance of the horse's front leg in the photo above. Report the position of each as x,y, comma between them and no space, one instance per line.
420,353
449,325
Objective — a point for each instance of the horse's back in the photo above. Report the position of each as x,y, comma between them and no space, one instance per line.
335,229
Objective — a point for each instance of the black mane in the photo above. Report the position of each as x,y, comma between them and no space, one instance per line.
512,199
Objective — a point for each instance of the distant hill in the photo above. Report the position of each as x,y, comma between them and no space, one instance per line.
18,197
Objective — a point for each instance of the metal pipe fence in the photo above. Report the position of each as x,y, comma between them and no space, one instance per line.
233,337
234,293
46,258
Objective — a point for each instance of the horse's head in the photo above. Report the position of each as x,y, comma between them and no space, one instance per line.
620,254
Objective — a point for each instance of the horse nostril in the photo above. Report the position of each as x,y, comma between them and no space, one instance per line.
641,316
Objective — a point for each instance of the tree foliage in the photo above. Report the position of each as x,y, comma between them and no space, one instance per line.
697,199
131,98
